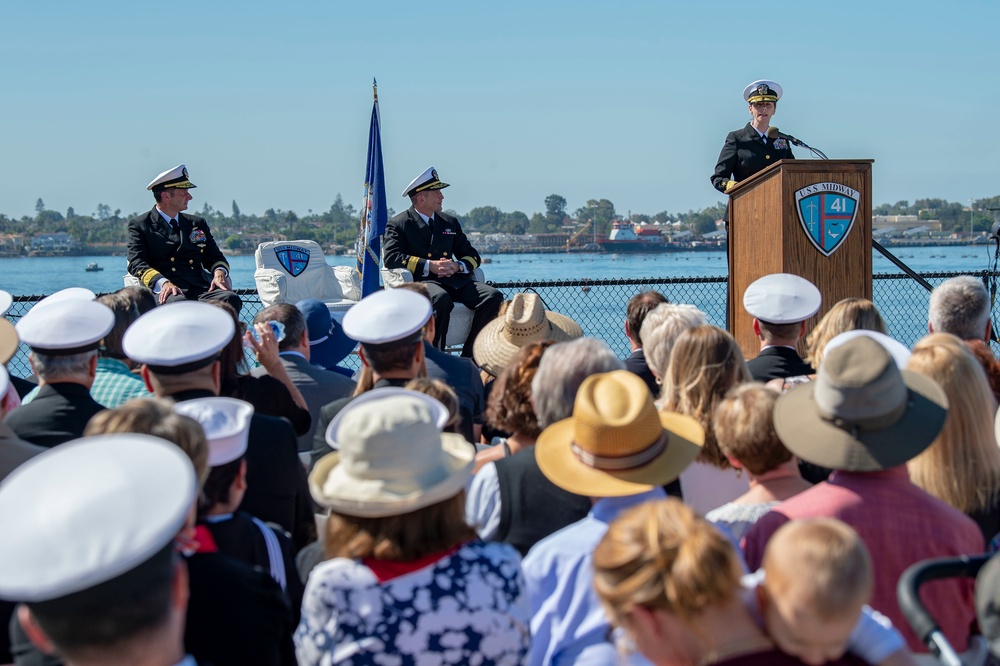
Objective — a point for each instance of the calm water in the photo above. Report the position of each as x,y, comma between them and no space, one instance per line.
44,275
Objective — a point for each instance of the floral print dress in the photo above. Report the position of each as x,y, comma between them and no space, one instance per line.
468,606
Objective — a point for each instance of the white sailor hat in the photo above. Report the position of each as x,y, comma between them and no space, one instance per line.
95,514
391,315
74,327
68,294
762,91
428,180
226,422
172,178
782,298
4,381
6,300
178,337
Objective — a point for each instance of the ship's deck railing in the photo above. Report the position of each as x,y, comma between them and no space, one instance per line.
599,305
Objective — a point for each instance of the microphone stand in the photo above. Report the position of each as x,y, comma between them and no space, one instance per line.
815,151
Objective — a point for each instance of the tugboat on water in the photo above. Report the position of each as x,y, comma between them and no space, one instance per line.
626,237
93,267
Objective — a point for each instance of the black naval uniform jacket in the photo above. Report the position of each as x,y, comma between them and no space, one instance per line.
778,363
60,412
152,254
744,154
410,243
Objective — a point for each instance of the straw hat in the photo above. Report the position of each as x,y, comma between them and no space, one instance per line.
525,321
392,459
863,413
616,443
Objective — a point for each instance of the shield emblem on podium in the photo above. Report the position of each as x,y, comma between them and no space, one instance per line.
293,258
827,212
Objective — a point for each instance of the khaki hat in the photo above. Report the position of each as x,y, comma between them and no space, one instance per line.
616,443
392,459
862,414
9,341
525,321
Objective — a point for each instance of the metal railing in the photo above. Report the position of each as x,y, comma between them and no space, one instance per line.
599,305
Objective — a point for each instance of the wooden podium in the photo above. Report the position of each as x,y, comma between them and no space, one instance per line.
785,219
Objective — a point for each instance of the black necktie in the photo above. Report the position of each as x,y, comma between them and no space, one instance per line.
175,227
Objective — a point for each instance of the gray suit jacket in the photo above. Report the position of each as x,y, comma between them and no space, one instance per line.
318,386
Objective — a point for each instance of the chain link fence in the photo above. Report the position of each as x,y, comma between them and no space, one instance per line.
599,305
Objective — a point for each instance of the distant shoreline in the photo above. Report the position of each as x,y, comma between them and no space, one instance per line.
120,251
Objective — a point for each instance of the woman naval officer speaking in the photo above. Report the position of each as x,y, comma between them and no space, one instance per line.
749,150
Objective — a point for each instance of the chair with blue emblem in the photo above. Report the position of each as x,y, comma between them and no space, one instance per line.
289,271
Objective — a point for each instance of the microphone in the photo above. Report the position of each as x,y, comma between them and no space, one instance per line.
773,133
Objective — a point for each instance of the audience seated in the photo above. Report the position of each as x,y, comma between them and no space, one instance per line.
704,364
865,418
405,574
671,582
115,383
962,464
618,450
659,331
510,499
744,430
638,307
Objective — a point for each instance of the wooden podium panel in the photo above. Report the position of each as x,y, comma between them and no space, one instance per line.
766,236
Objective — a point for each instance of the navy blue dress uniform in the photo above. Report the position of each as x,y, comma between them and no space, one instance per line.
63,324
181,338
745,151
780,299
186,256
410,243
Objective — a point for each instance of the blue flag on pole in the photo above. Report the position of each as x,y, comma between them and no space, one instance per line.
373,211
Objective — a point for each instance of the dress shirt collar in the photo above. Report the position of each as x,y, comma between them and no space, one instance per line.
423,217
167,218
607,509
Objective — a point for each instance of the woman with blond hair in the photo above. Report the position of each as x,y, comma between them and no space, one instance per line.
704,364
962,466
671,581
850,314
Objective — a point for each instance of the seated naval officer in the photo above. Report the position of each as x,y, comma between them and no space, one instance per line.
432,246
170,251
103,583
780,304
178,345
64,334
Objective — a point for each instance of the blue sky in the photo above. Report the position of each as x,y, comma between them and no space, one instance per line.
268,103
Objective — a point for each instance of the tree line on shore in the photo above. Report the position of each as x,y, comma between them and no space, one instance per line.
339,225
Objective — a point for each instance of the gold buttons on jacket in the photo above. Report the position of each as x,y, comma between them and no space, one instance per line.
767,157
171,258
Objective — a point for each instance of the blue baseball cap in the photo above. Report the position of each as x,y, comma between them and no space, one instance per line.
328,344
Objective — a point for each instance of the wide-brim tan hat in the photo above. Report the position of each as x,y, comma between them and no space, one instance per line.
8,341
616,443
862,413
525,321
393,459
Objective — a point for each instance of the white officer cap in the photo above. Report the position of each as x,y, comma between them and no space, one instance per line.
172,178
178,337
782,298
69,294
391,315
226,422
98,511
74,327
428,180
762,90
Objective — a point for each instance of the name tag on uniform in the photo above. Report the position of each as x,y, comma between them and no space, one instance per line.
447,232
